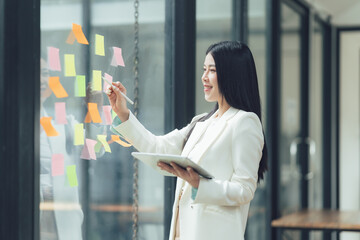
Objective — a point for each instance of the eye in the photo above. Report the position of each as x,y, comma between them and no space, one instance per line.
213,70
204,69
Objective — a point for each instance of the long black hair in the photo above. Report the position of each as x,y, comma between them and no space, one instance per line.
238,84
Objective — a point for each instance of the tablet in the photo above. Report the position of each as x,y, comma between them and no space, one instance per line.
152,159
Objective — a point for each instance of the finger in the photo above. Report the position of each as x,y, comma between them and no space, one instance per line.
192,172
166,167
120,86
179,170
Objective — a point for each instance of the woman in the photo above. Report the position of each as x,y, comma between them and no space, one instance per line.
228,142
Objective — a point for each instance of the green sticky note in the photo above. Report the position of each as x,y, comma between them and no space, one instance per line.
102,139
113,114
96,84
79,134
97,147
80,86
70,65
99,45
71,175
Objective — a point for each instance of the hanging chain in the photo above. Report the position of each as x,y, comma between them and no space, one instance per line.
135,216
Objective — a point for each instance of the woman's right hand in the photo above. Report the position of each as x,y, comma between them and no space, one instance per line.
117,101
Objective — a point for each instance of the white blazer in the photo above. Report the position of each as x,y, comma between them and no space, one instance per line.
232,154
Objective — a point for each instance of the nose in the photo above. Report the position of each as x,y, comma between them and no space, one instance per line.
204,77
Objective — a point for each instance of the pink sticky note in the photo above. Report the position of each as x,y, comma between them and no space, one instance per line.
107,115
109,78
117,59
60,113
54,59
57,164
88,151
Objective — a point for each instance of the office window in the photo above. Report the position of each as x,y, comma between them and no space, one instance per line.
86,190
213,24
257,43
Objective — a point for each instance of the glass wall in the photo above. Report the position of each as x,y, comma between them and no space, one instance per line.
213,24
290,100
86,177
257,44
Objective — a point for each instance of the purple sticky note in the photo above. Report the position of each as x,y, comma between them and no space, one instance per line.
107,115
54,59
117,59
109,78
60,113
57,164
88,152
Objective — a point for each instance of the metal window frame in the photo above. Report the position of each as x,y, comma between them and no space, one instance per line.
180,46
19,118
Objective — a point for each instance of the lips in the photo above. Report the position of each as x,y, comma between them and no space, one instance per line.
207,88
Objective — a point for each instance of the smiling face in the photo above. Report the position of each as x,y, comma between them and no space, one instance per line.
209,80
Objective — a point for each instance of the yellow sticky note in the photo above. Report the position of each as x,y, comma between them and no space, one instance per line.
48,127
79,134
80,83
96,84
117,139
57,88
79,34
99,45
71,175
102,139
69,65
94,112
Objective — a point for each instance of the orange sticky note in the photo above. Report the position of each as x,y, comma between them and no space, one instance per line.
57,88
48,127
116,138
71,38
79,34
94,113
87,118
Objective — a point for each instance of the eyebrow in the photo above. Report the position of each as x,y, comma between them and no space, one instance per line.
211,65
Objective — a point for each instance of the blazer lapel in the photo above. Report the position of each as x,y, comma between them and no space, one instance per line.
213,135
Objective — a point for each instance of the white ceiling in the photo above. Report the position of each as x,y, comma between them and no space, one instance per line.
342,12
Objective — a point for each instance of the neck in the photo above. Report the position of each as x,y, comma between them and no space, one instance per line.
223,107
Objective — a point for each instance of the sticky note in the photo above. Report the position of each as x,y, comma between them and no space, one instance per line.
87,118
94,112
88,151
69,65
57,88
116,138
96,84
57,164
60,113
79,134
117,59
71,38
102,139
107,114
109,78
113,114
97,147
79,34
71,175
48,127
53,59
80,86
99,45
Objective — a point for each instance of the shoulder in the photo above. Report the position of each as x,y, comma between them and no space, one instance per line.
247,119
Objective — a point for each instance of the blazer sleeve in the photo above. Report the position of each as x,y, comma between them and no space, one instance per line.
144,141
247,144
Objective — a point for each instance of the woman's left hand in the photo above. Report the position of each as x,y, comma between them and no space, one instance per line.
187,174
